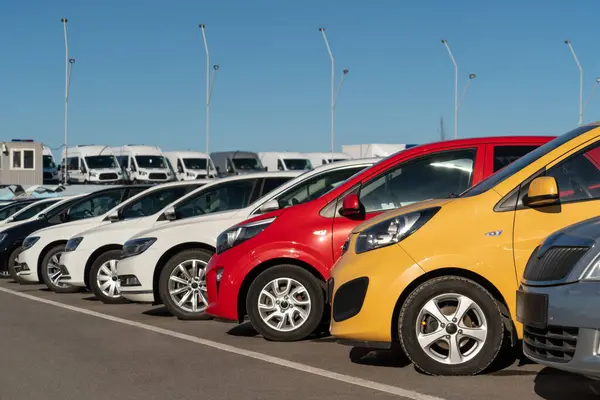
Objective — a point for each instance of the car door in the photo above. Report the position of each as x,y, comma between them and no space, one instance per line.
578,177
434,175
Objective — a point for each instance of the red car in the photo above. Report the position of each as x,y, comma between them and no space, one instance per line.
273,267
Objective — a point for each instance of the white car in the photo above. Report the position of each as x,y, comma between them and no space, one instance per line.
166,264
29,212
96,249
43,244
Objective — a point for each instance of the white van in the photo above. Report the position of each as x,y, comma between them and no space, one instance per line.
285,161
317,159
190,165
50,169
143,164
92,164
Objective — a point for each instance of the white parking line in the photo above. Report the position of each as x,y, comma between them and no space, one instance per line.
352,380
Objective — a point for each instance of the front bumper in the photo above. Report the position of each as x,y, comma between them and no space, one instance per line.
27,263
72,264
561,326
136,275
366,288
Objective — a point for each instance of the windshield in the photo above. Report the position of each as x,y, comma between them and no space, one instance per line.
298,164
49,162
247,163
524,161
195,163
99,162
150,161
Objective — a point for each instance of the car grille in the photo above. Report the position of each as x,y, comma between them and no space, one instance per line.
554,343
200,176
157,176
555,263
47,175
107,176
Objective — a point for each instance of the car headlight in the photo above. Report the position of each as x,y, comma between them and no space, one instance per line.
93,174
30,241
393,230
143,173
136,246
592,273
238,234
73,243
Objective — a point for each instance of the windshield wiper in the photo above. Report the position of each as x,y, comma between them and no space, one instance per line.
452,196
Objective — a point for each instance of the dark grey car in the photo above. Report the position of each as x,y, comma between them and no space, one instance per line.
558,301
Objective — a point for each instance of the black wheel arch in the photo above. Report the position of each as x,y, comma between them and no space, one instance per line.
44,252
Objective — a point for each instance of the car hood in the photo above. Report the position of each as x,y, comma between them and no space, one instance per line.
121,225
401,211
83,224
588,229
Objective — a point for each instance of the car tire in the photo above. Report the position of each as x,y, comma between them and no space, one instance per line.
195,289
49,270
11,266
431,352
104,272
287,308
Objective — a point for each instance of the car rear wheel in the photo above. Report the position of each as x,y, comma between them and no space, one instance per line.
182,284
51,272
104,279
12,264
451,326
285,303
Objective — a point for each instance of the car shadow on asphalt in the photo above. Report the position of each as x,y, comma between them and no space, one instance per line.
393,358
158,312
552,384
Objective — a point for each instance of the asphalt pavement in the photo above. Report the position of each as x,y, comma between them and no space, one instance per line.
71,346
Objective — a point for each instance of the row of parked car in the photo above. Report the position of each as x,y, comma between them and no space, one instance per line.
426,247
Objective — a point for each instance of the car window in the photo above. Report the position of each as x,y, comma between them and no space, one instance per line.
136,190
154,201
433,176
10,210
95,205
221,197
578,177
316,186
272,184
504,155
33,210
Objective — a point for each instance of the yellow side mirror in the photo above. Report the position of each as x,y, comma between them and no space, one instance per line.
542,191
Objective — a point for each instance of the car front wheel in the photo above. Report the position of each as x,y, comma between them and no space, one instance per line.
451,325
51,272
12,264
104,280
182,284
285,303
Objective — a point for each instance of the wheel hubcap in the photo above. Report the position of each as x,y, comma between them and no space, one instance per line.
108,279
451,328
54,272
187,286
284,304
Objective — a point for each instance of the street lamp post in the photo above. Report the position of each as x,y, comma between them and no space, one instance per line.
445,42
464,93
568,43
591,93
68,70
209,85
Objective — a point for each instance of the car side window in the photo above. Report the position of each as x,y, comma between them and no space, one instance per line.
504,155
272,184
430,177
73,163
578,177
8,211
95,206
33,210
315,187
227,196
154,201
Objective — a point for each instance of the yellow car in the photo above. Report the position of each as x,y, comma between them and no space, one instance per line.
440,276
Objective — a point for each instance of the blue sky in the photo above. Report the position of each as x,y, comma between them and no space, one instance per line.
140,70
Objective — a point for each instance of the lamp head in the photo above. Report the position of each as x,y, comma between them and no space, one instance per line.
201,26
597,80
345,71
216,67
63,20
71,60
321,29
567,41
444,41
472,76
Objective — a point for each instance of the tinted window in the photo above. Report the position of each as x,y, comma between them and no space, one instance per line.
227,196
154,201
297,164
95,205
49,162
195,163
430,177
73,163
272,184
315,187
150,161
98,162
33,210
28,156
6,212
247,163
504,155
136,190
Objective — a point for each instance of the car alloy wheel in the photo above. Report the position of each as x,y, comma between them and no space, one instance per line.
285,303
108,280
104,280
51,272
451,325
182,284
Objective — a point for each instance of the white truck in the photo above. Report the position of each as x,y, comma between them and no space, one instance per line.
50,168
285,161
143,164
317,159
374,149
190,165
91,164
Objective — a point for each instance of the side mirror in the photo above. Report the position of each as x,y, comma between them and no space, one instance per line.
180,170
132,168
83,170
170,214
351,206
64,217
542,191
41,216
114,216
270,205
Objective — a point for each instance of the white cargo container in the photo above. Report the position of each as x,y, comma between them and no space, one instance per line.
317,159
190,165
91,164
143,164
374,149
285,161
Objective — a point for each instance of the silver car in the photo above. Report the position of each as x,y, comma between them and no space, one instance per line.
558,301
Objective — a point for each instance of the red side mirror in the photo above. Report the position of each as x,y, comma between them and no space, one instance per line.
350,205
